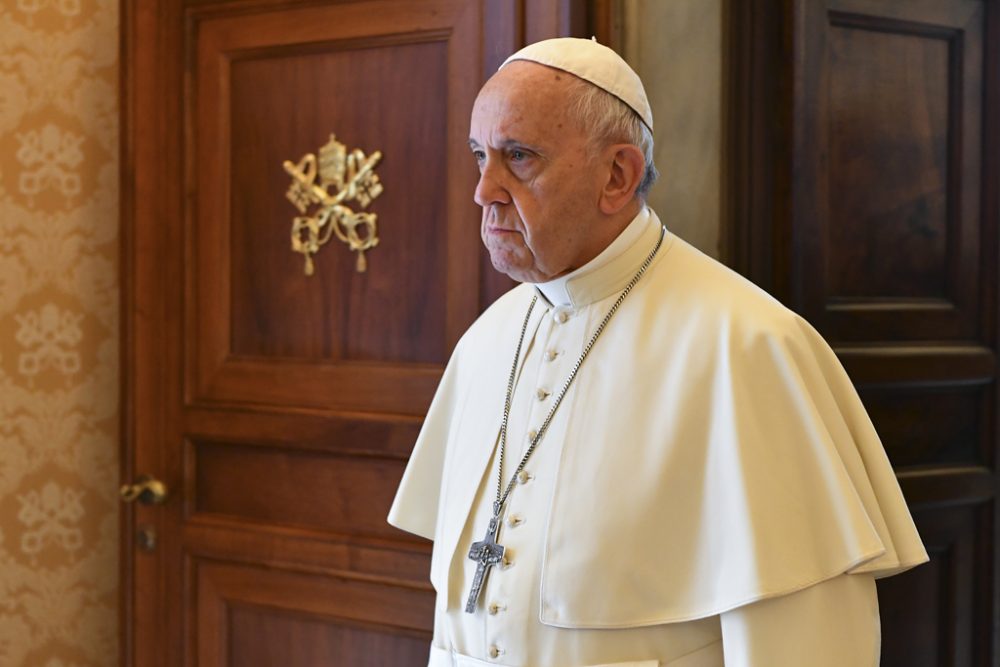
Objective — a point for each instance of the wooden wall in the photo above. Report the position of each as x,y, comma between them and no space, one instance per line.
862,191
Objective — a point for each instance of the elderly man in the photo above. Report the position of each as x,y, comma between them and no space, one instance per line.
636,457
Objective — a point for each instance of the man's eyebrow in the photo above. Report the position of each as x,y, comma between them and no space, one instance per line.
506,143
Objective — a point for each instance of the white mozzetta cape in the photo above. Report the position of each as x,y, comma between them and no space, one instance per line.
713,453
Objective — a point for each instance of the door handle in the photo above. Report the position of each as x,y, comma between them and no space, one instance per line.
147,490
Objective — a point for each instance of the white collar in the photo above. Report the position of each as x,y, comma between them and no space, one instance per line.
610,271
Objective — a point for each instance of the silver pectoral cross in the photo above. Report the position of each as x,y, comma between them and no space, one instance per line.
486,554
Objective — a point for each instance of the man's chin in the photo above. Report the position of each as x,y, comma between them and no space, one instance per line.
514,271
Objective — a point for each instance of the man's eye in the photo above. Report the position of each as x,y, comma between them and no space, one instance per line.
479,155
518,155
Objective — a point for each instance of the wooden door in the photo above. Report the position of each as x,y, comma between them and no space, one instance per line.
864,194
278,408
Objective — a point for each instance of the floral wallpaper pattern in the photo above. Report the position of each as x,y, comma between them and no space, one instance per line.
58,333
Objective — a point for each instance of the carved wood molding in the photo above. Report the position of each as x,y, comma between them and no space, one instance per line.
757,103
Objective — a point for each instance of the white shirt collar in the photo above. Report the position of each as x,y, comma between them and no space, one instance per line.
610,271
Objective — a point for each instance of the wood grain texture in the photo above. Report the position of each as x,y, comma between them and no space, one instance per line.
280,410
345,617
263,637
864,143
956,437
891,100
271,87
394,312
917,599
890,135
285,486
152,206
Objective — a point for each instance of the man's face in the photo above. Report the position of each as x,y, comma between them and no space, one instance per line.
539,183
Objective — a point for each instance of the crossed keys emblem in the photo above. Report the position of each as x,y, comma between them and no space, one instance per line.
343,177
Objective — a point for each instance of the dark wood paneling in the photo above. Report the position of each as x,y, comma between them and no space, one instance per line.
338,611
930,596
892,92
395,311
862,192
757,147
918,365
346,434
952,431
404,562
890,120
152,206
278,409
296,488
548,18
374,387
270,86
264,637
933,487
931,404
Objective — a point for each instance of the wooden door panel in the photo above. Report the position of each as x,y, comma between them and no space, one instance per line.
865,136
935,601
226,539
272,86
395,311
279,409
900,138
265,638
332,476
890,241
892,264
908,442
931,404
901,94
304,393
373,435
255,616
287,486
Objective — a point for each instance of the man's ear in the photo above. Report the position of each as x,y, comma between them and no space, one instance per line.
627,168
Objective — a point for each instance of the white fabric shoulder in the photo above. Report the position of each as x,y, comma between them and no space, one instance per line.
723,458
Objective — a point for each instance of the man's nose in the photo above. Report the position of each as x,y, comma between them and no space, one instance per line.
490,189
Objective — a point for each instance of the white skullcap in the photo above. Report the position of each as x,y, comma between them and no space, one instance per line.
591,62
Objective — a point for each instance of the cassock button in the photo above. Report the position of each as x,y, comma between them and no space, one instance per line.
495,651
532,434
524,477
551,355
561,316
495,608
541,394
515,520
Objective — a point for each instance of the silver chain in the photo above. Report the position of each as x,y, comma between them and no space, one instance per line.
502,492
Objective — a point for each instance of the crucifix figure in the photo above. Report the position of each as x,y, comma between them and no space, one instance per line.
486,553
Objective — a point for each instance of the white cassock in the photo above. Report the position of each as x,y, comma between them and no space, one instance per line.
710,492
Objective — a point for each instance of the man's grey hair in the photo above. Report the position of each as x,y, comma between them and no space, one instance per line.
611,121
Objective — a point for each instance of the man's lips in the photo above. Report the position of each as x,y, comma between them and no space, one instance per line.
500,230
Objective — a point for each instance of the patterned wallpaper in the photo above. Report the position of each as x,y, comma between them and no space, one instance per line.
58,333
